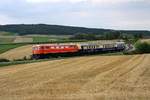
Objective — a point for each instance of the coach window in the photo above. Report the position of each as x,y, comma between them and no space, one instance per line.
84,47
90,47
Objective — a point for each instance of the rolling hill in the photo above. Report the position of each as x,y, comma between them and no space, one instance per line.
44,29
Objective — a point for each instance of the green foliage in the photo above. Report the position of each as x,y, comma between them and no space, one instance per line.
107,36
84,36
142,47
138,36
112,35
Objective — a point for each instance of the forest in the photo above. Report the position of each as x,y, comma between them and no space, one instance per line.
44,29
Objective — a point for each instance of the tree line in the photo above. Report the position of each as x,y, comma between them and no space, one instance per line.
107,36
44,29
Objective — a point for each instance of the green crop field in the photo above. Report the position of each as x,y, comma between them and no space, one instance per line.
40,39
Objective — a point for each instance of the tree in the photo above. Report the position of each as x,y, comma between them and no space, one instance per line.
113,35
142,47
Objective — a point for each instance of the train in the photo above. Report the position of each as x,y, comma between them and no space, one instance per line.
40,51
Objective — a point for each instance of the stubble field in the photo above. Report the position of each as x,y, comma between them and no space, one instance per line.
81,78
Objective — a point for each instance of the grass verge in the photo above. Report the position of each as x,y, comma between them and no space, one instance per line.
3,64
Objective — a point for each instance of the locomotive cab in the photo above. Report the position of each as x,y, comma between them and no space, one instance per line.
37,51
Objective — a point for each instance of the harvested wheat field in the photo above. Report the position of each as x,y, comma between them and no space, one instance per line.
83,78
18,53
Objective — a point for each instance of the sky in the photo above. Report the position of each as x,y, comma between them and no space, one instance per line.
109,14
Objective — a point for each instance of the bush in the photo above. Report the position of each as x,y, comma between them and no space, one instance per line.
142,47
4,60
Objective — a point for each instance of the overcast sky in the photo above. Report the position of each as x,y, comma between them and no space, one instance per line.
111,14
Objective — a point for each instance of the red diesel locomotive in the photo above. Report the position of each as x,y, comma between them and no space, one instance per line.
44,50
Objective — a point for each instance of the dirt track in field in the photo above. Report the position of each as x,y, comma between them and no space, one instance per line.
18,53
83,78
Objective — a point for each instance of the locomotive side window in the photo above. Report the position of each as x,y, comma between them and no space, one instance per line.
41,47
66,47
62,47
52,47
57,47
73,46
35,48
47,47
70,46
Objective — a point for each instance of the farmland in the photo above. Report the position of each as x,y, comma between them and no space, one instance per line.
146,40
18,52
7,47
5,38
80,78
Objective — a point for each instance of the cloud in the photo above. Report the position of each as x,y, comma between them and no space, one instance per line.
5,19
54,1
43,1
88,1
116,14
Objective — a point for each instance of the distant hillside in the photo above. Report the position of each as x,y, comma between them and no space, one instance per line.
24,29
